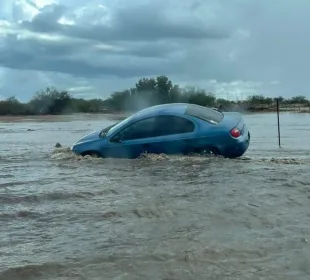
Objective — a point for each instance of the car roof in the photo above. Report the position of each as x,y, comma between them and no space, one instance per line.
169,109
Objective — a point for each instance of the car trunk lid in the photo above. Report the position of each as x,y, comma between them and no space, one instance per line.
233,120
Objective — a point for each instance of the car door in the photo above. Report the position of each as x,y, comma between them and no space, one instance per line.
174,135
132,140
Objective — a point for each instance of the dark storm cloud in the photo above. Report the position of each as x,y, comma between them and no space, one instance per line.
79,58
136,36
46,20
27,61
141,30
130,24
193,42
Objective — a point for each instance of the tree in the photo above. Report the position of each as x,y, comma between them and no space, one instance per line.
50,101
256,100
299,100
146,92
198,96
163,89
175,94
11,106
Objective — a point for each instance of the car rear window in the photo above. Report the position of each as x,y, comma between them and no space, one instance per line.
204,113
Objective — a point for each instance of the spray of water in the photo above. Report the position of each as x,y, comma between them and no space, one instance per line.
65,153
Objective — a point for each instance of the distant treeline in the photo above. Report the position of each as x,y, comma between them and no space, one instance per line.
147,92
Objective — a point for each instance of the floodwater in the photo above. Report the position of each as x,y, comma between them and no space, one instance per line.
157,217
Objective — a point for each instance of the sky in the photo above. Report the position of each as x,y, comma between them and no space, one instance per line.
233,48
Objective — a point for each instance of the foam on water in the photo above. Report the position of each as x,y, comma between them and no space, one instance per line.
65,153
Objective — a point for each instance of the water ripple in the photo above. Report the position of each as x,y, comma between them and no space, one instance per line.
65,216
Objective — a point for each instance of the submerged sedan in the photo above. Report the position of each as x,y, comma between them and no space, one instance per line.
176,128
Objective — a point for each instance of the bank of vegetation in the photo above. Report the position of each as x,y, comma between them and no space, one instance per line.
146,92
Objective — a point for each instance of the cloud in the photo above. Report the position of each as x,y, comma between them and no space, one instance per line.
128,42
124,45
243,45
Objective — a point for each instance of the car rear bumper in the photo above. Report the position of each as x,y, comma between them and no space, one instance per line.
239,148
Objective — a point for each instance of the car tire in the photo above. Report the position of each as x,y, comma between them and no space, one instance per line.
209,151
91,153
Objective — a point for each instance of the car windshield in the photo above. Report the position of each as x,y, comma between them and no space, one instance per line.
104,132
116,126
204,113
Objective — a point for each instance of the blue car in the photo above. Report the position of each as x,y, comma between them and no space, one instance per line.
176,128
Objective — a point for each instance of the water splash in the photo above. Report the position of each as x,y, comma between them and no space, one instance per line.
65,153
153,157
278,160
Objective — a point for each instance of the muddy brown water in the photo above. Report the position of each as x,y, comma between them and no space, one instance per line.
157,217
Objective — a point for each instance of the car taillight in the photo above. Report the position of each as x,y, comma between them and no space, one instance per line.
235,132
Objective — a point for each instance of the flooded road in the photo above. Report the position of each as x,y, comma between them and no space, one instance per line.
157,217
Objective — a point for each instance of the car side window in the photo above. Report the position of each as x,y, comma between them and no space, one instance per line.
169,125
138,130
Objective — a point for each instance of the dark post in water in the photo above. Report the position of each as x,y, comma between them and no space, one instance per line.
278,113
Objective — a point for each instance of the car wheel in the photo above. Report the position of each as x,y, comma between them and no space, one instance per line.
91,153
209,151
